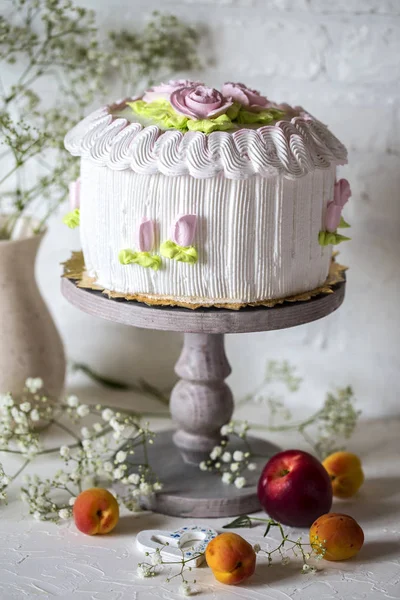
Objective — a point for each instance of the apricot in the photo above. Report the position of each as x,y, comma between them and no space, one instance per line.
339,534
96,511
231,558
345,471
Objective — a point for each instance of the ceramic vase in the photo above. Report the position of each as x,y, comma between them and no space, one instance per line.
30,345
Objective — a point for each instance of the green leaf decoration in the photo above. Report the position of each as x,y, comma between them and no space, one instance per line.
243,521
186,254
73,219
263,117
221,123
343,224
233,111
163,113
160,111
144,259
325,238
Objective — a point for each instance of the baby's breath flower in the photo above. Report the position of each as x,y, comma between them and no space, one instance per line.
34,415
120,457
64,513
107,414
98,427
306,568
203,466
226,457
238,455
240,482
256,548
85,431
71,501
34,384
252,466
6,400
185,589
158,486
225,430
73,401
25,406
134,478
234,466
145,488
65,452
156,558
215,452
226,477
118,473
143,571
82,410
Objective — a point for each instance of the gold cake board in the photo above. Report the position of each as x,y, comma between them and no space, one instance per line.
74,268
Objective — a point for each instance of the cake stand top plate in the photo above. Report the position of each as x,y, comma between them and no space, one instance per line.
203,320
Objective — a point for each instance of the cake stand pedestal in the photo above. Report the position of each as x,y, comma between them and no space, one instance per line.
201,401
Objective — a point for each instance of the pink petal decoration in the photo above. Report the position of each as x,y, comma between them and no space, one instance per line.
333,214
146,235
183,230
342,192
75,194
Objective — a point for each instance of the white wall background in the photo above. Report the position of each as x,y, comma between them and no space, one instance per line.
341,60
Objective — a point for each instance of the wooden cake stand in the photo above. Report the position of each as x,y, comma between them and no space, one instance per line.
201,401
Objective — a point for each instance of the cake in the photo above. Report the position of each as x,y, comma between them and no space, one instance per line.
197,197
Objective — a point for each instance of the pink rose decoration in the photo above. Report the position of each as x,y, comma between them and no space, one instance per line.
164,90
199,102
251,99
183,230
341,195
146,235
75,194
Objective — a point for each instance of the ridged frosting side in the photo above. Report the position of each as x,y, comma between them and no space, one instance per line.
292,148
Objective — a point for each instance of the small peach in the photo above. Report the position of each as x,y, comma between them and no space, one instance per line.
95,511
339,534
231,558
344,469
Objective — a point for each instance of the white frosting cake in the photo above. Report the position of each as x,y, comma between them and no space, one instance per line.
206,216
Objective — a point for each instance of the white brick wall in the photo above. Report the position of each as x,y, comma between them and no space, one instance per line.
341,60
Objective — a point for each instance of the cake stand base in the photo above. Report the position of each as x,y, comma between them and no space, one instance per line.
189,492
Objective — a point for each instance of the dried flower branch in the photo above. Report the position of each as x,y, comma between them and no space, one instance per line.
103,452
286,546
323,431
56,40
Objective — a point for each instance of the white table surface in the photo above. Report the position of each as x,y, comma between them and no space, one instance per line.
44,560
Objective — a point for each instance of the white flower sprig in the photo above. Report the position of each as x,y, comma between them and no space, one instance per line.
155,565
102,453
18,420
4,482
226,460
99,457
297,548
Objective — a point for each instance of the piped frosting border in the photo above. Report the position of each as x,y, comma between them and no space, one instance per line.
292,148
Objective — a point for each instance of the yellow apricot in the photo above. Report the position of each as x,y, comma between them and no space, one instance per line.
231,558
340,535
345,471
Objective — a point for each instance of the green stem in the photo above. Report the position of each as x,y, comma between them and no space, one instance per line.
25,464
69,431
15,168
289,427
